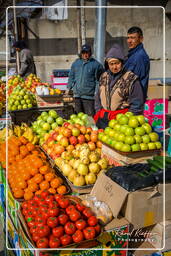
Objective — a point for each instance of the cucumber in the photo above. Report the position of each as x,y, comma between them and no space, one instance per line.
158,158
155,163
168,159
153,169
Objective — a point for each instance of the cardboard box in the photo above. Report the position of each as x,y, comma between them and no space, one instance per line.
158,235
142,208
155,88
131,158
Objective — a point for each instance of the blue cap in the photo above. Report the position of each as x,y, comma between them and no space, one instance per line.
86,48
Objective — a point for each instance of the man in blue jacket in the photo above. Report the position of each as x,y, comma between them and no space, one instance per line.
138,60
83,79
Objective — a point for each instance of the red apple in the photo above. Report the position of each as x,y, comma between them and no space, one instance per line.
66,124
91,145
81,139
89,130
73,140
64,142
87,137
70,148
67,132
83,129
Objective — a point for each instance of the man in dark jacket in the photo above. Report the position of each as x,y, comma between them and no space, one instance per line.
138,60
26,59
83,80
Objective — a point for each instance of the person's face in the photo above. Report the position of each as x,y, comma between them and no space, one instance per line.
85,55
133,40
115,66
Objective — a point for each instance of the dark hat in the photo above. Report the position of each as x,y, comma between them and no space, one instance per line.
115,52
86,48
20,44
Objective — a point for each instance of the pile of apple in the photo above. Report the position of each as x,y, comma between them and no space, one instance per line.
31,82
45,123
13,82
80,118
77,152
129,133
20,99
2,96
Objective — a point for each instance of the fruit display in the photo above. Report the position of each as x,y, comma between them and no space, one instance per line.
2,96
56,91
46,122
29,172
13,82
31,82
80,118
21,99
26,132
130,133
56,221
76,150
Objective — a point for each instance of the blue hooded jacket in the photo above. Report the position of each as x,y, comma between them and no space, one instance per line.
84,77
139,63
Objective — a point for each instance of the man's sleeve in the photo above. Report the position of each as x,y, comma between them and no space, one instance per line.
136,99
24,63
98,73
71,78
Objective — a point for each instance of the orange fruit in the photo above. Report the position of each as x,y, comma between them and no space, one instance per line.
25,175
38,192
44,185
52,190
19,193
62,189
30,146
22,184
55,183
30,181
33,171
23,140
33,186
28,195
38,178
44,169
37,162
49,176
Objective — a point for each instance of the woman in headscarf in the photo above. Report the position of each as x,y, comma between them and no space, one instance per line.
119,90
26,59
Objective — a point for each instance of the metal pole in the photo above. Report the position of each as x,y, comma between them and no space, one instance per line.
78,26
83,32
99,42
16,37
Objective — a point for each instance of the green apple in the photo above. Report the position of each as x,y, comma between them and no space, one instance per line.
126,148
54,125
129,131
123,128
84,117
129,114
112,123
146,138
80,114
73,116
121,137
118,145
59,120
117,127
123,120
151,145
53,113
138,138
141,119
154,136
144,146
133,122
135,147
147,127
129,140
158,144
118,116
139,130
46,127
107,130
112,133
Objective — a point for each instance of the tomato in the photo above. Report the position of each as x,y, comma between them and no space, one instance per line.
53,211
29,214
24,205
80,207
41,201
36,198
58,196
52,222
25,211
70,208
30,223
89,233
70,228
49,199
63,202
35,211
45,214
81,224
43,231
54,242
42,207
63,218
35,237
32,206
75,215
30,202
92,221
44,193
58,231
66,239
33,229
87,212
98,229
78,236
39,222
42,243
53,204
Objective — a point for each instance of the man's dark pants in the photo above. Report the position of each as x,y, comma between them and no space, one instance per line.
84,105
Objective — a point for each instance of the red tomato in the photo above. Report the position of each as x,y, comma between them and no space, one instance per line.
87,212
80,207
63,202
70,228
30,223
57,197
25,211
24,204
36,198
98,229
89,233
92,221
70,208
43,231
75,215
45,214
49,199
53,204
42,207
29,214
35,237
31,201
66,239
63,218
44,193
35,211
41,201
53,211
42,243
81,224
52,222
32,206
58,231
54,242
40,221
33,229
78,236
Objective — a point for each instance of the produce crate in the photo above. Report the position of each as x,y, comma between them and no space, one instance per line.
30,115
53,100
